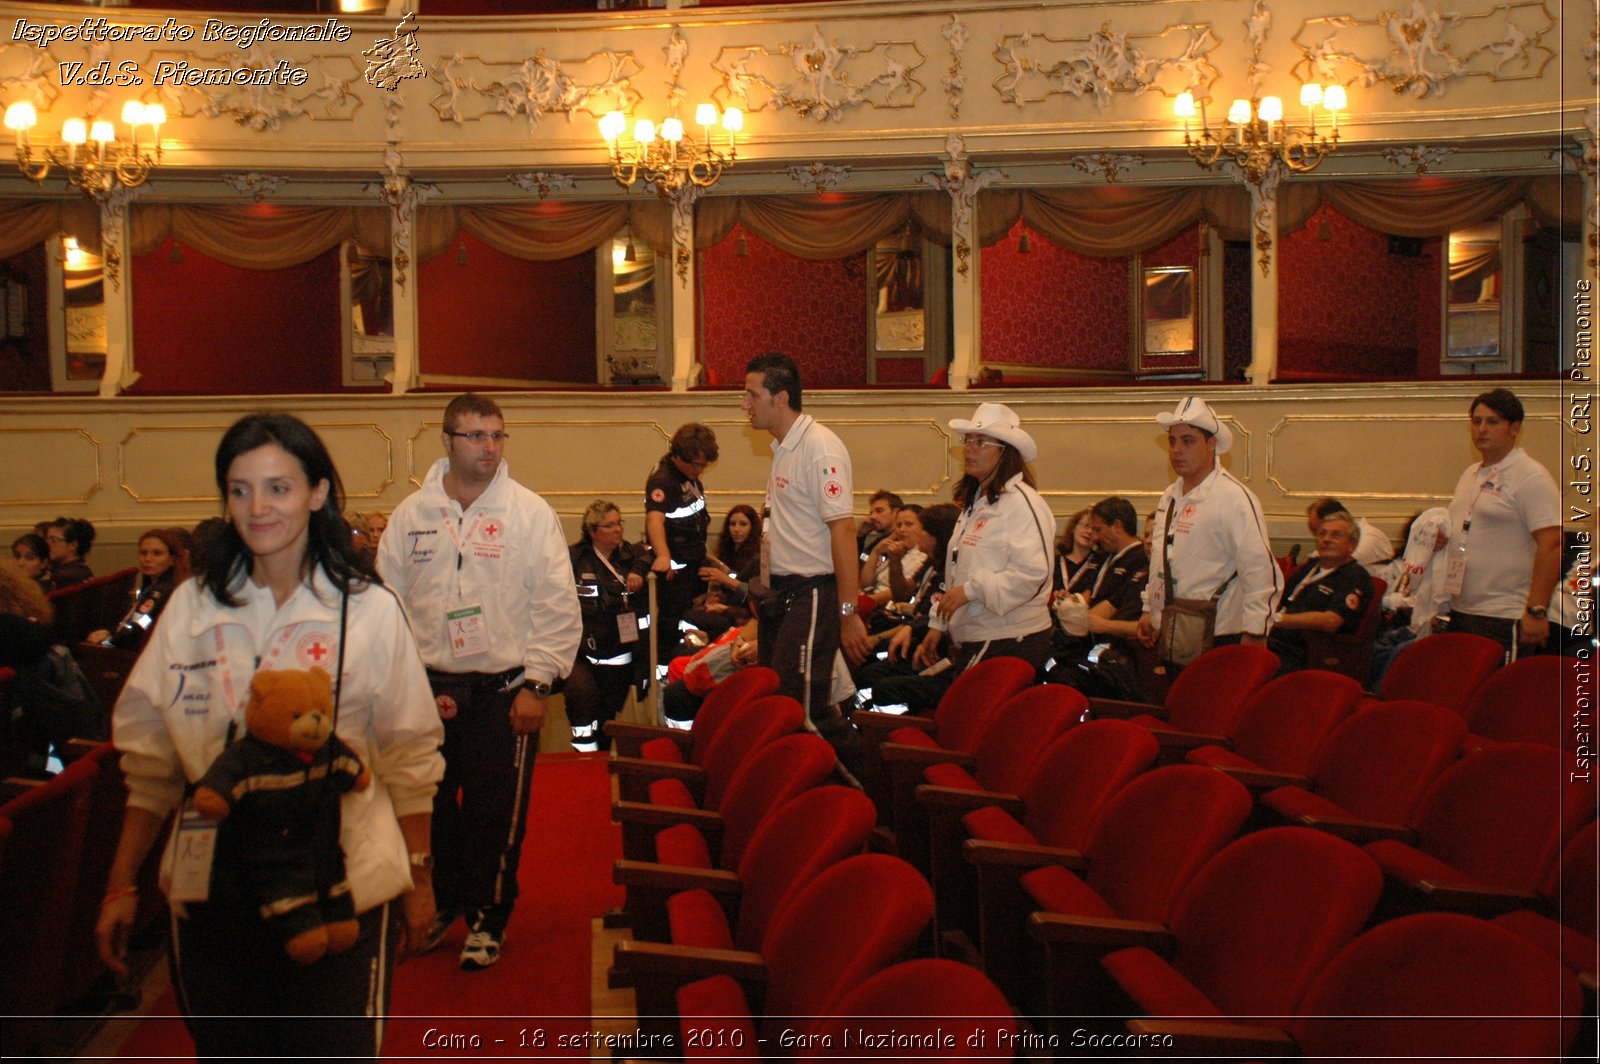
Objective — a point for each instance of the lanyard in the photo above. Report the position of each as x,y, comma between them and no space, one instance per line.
269,660
450,529
1316,576
1105,567
607,563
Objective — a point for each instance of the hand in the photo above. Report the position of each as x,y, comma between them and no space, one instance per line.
662,564
744,652
111,932
951,601
99,635
1249,640
853,639
527,713
894,548
928,651
900,643
418,907
633,583
1533,631
1147,631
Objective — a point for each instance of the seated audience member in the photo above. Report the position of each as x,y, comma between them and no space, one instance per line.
70,539
364,547
728,572
200,540
1327,594
1106,612
691,678
31,553
49,701
377,521
1375,552
1416,590
612,655
881,578
887,679
1077,562
162,567
879,521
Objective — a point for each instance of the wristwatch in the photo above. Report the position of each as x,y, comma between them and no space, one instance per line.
422,860
537,687
847,609
1538,612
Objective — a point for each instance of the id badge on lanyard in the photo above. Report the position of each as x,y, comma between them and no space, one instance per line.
192,853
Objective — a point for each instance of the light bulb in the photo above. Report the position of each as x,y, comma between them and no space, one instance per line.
133,113
705,114
1333,98
155,115
21,116
672,131
74,131
1271,109
1184,105
644,131
733,120
1310,94
612,125
1239,112
102,132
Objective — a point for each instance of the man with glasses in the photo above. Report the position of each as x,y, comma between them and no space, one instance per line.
481,566
675,523
69,539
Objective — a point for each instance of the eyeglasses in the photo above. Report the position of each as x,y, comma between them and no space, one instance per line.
610,526
57,538
480,437
979,441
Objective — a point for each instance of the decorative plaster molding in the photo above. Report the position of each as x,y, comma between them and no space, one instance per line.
1264,207
955,81
963,186
255,185
819,177
402,196
113,222
471,87
757,77
1419,156
1106,164
542,183
266,107
1418,52
676,51
683,198
28,73
1255,35
1103,64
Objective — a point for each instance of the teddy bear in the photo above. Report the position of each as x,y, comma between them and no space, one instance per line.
275,792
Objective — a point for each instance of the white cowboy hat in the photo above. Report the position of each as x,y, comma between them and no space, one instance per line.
999,422
1192,410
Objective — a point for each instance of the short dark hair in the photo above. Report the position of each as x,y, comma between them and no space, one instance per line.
465,404
693,442
1325,507
76,531
778,374
35,544
328,538
1115,510
884,493
939,521
1502,401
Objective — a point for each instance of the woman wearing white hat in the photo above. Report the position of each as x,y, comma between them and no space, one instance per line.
997,582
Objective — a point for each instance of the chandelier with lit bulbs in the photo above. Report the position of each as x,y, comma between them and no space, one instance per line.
90,154
668,160
1256,137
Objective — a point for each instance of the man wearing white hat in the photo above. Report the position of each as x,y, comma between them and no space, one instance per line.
1210,542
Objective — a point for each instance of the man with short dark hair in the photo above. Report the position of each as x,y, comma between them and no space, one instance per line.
1329,593
675,523
1504,554
1110,608
69,539
879,521
481,566
809,578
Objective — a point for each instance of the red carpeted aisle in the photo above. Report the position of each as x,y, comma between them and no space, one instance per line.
539,992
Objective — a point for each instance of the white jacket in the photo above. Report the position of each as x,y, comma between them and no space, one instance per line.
193,680
516,566
1000,553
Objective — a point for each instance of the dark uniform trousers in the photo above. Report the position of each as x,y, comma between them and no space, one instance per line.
797,637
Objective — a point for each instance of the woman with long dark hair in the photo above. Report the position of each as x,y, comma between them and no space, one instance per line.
728,572
279,588
163,565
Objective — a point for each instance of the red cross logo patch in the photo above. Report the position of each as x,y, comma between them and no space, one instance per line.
314,651
491,530
833,489
1188,511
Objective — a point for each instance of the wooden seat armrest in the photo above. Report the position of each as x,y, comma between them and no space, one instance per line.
1260,780
988,854
1359,832
881,724
1177,742
1103,934
627,737
640,768
1215,1039
633,962
1116,709
664,815
675,877
16,786
906,754
1473,899
954,798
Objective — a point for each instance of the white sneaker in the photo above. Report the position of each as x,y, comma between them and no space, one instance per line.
481,951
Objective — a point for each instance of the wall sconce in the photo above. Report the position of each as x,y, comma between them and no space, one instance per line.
1256,137
99,169
667,160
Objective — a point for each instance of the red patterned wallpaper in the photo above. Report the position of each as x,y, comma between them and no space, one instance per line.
1053,307
769,300
1347,307
202,327
498,316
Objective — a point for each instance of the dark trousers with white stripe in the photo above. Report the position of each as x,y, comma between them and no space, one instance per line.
797,637
233,979
480,812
